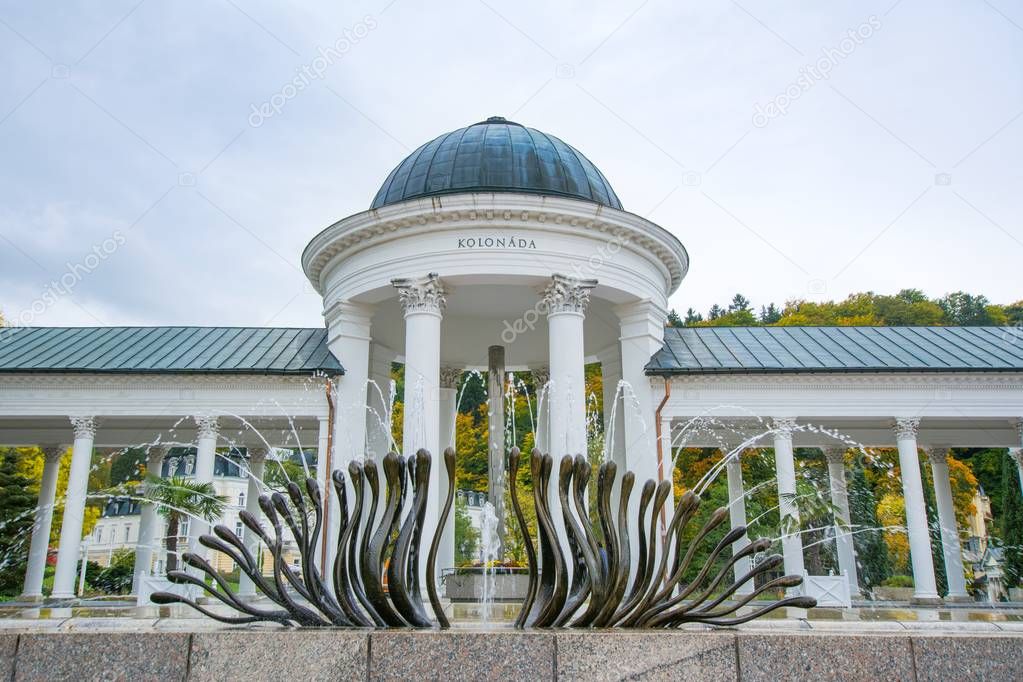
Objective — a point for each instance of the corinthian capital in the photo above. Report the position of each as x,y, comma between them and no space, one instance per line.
84,427
207,426
937,455
567,294
421,294
906,428
53,453
784,426
449,376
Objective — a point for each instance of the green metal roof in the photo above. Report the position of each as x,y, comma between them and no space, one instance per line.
496,155
166,350
773,350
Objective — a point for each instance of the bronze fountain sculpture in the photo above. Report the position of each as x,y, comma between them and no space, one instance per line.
596,593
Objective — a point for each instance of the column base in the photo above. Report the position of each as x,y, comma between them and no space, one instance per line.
926,601
959,599
31,598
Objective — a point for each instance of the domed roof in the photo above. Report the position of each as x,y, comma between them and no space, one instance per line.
496,155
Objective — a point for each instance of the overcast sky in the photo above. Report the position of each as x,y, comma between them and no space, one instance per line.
130,155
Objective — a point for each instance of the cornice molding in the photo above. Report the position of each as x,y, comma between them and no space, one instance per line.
354,233
143,382
843,381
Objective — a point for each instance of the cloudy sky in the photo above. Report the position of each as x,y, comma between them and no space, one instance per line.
792,160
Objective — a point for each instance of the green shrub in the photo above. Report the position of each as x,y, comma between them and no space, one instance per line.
898,581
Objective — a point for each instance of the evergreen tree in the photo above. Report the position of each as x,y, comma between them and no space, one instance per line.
770,314
692,317
739,304
715,312
1012,523
872,558
674,320
16,518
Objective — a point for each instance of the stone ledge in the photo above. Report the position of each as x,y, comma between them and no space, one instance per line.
340,654
646,655
461,654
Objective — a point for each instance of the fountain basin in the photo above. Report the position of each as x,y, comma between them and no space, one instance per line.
466,584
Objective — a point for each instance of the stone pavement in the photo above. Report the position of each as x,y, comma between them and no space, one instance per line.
80,648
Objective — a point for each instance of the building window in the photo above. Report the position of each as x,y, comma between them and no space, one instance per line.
241,500
99,534
127,533
183,528
238,528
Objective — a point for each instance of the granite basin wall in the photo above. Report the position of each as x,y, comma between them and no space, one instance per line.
268,654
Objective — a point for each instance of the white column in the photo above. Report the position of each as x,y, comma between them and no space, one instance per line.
40,546
422,300
641,326
207,432
348,329
148,521
642,335
541,377
449,377
74,508
257,463
925,590
843,523
950,548
788,508
614,417
737,516
565,300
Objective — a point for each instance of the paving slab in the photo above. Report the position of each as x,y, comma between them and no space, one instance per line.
974,657
78,656
461,655
799,656
605,656
313,655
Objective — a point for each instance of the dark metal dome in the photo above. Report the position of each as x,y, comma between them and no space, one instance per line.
496,155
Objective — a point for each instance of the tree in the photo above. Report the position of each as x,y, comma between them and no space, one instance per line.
17,504
966,310
178,497
715,312
872,559
891,512
692,317
117,577
127,466
770,314
466,536
739,304
1012,522
673,319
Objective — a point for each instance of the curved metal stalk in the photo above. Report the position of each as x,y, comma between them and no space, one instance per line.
431,559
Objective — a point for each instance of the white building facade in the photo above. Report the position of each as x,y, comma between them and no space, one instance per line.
498,234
